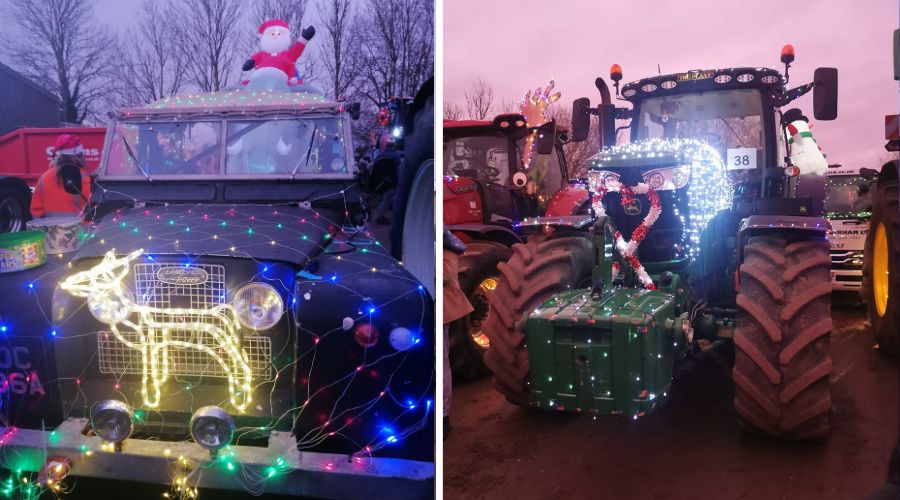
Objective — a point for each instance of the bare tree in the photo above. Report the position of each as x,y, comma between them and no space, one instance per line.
396,47
479,100
339,53
577,154
59,46
452,111
291,12
151,59
208,37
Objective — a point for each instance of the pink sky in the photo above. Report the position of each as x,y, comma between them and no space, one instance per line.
520,44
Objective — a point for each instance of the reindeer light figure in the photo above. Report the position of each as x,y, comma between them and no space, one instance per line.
534,109
103,287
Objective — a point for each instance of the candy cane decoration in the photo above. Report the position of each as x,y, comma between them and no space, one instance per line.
628,249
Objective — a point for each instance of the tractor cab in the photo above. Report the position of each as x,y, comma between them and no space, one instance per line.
484,178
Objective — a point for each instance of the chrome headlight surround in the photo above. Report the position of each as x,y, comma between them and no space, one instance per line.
258,306
681,176
212,428
112,420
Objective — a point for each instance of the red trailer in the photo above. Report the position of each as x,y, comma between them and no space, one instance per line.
25,154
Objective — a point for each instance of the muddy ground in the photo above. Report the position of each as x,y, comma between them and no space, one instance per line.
691,448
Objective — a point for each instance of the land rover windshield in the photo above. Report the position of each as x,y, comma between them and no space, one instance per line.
312,147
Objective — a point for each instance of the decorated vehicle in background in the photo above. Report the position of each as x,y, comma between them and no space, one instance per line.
498,174
227,321
683,259
881,277
25,154
848,207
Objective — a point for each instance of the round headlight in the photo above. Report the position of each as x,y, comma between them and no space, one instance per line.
212,427
657,180
109,310
680,177
258,306
112,420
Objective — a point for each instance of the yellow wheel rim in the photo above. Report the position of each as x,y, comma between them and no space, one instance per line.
880,273
484,294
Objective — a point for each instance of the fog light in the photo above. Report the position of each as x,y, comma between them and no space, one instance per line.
113,421
212,428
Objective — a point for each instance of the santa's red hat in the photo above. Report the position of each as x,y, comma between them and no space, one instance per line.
67,144
272,23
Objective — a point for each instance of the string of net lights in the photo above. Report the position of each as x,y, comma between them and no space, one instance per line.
534,109
243,232
709,190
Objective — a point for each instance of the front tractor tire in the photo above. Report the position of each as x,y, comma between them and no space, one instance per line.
478,279
782,357
881,276
535,272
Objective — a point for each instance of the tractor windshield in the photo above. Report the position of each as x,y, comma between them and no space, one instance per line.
484,157
729,120
544,173
847,194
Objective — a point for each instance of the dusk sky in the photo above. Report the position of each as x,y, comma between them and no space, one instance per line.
519,44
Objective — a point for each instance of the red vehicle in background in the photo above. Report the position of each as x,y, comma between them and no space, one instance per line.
25,154
495,204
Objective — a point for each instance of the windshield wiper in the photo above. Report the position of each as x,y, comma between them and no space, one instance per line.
134,158
733,132
308,151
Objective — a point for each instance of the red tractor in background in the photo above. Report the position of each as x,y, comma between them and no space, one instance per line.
489,199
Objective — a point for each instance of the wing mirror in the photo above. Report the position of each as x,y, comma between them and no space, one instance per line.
545,138
71,178
353,109
581,119
825,94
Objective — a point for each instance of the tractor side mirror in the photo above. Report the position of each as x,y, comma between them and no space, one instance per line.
581,119
897,54
825,94
354,109
71,178
545,138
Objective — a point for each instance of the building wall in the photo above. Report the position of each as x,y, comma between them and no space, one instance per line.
24,104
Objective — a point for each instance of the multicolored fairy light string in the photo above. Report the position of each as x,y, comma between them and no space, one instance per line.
534,109
168,229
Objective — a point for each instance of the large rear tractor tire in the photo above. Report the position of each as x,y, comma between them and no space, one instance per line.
478,279
536,271
881,276
782,340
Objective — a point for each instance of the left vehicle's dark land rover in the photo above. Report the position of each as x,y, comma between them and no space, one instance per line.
227,321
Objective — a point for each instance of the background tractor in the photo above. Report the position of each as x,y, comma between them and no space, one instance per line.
489,198
881,278
701,232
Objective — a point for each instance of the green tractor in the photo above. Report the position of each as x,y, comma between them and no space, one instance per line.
701,233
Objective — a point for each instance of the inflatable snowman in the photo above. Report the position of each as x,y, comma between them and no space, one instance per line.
805,153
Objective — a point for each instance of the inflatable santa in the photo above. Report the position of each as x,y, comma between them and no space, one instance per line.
805,153
277,57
